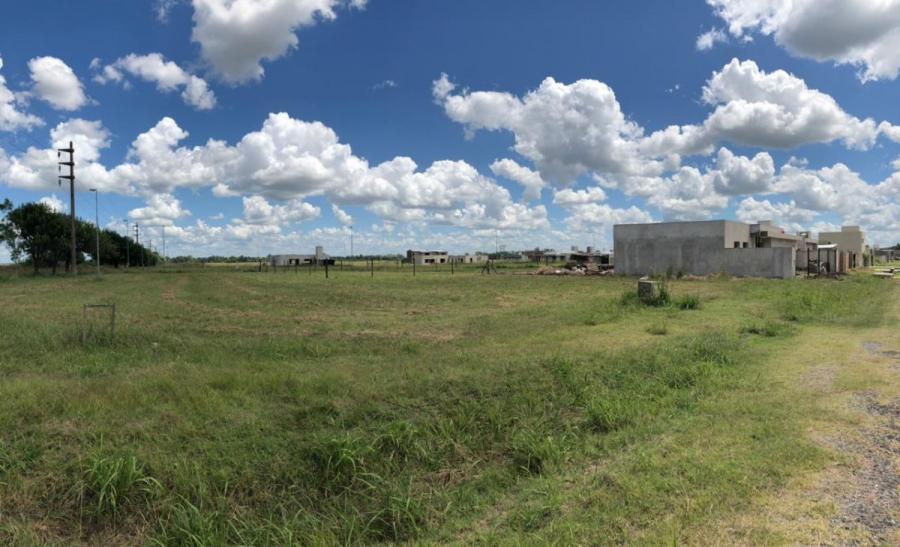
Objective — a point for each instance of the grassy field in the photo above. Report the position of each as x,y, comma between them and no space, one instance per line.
246,408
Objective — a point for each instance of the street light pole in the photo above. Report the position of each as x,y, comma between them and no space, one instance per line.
97,225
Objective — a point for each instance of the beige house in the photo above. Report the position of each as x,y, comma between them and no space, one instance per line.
422,258
476,258
850,240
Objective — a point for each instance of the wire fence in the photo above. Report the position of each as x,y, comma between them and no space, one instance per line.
347,266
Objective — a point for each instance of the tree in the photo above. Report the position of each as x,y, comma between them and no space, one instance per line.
8,233
35,231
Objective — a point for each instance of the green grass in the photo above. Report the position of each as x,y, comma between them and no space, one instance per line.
244,408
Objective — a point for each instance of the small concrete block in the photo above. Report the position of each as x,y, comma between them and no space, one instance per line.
648,289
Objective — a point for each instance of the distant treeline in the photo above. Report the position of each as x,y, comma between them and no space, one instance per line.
243,259
39,236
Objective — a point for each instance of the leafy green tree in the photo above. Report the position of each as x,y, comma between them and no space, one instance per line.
35,231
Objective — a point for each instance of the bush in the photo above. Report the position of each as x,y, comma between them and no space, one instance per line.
658,329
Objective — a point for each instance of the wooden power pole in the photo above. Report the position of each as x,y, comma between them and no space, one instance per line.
73,254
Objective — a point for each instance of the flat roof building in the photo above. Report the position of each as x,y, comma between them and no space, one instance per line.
706,247
422,258
851,240
319,258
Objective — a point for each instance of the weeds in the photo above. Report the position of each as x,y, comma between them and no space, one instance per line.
533,452
268,425
858,301
188,525
769,329
605,414
688,302
113,481
338,460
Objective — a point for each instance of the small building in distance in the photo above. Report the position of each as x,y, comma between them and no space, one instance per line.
547,255
477,258
886,255
850,240
320,258
422,258
591,257
707,247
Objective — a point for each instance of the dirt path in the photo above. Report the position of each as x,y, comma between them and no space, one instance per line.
856,499
170,293
872,501
867,493
848,381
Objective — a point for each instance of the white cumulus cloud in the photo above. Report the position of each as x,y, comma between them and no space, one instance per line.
530,180
161,209
236,36
862,33
11,118
341,215
167,76
56,83
710,38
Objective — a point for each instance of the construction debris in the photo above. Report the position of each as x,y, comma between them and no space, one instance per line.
576,268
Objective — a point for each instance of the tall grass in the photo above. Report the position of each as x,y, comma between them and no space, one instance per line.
348,412
112,482
858,300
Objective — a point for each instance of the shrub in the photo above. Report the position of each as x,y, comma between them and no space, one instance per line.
658,329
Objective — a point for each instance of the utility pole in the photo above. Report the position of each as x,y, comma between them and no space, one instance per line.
97,225
351,242
127,246
137,240
163,227
73,256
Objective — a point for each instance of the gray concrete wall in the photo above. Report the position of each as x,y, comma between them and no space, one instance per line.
777,262
696,248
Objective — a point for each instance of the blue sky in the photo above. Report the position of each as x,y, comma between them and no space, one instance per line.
437,123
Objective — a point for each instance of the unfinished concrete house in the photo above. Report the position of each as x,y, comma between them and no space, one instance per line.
422,258
851,242
320,258
707,247
477,258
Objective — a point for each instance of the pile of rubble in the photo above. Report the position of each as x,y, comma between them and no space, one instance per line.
575,268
